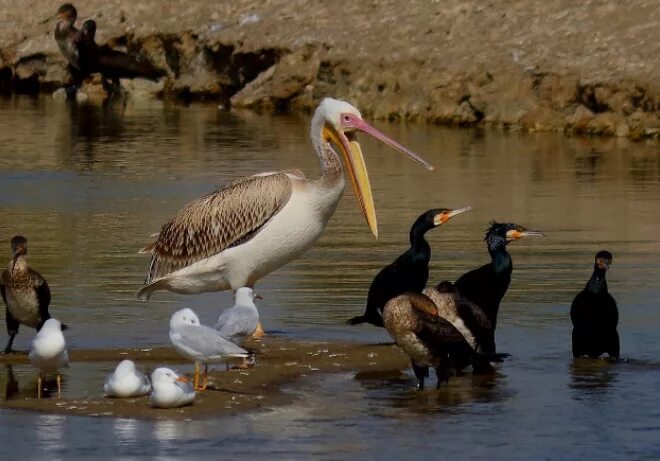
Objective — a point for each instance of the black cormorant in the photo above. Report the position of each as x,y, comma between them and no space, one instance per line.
487,285
409,272
595,316
24,291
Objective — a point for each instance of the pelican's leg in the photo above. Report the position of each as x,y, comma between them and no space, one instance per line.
196,376
59,385
39,386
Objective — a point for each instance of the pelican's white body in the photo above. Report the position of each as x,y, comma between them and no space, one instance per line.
48,352
167,392
289,234
126,381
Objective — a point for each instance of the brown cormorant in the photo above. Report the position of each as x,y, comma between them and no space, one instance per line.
595,316
409,272
24,291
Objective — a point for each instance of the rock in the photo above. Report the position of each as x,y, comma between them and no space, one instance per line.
580,119
279,83
542,118
143,89
607,123
559,91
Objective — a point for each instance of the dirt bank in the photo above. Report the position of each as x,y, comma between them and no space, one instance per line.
585,67
279,362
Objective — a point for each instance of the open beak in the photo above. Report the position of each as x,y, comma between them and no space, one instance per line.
357,170
447,215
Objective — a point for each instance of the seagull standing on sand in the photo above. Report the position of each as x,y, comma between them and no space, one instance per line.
238,234
241,321
24,291
126,381
170,390
48,353
200,343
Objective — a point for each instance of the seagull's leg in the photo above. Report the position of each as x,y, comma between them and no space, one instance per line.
205,379
39,386
196,377
59,385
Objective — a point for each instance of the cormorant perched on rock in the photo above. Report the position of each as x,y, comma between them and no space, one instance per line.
111,64
65,35
409,272
24,291
595,316
487,285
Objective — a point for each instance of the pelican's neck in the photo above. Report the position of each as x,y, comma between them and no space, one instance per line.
331,165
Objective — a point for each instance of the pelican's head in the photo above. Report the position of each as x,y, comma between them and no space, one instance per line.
125,368
338,121
183,317
67,14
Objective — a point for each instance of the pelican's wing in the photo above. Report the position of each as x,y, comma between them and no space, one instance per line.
220,220
237,322
207,342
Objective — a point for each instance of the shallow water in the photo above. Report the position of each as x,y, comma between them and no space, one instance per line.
88,184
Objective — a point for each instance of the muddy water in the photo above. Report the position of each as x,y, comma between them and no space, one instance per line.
88,184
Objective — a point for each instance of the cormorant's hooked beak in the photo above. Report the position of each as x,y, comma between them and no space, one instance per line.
447,215
355,165
515,234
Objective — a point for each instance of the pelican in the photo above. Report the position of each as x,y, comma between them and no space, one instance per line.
236,235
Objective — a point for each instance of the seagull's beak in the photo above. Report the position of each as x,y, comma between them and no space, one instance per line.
357,170
447,215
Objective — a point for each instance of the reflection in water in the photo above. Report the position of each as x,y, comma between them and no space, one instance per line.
593,376
50,431
11,386
88,184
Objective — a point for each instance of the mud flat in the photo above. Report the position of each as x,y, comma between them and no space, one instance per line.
576,67
279,362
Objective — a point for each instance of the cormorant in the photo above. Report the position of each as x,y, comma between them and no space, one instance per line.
487,285
413,321
409,272
24,291
595,316
65,34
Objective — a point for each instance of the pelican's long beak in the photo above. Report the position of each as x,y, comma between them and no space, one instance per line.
357,170
183,379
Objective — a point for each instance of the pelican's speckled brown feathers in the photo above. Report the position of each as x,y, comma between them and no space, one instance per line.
220,220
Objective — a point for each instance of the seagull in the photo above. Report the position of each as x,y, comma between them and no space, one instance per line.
170,390
238,234
200,343
241,321
24,291
48,353
126,381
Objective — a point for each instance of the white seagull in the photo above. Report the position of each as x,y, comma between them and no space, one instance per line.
48,353
236,235
241,321
170,390
126,381
200,343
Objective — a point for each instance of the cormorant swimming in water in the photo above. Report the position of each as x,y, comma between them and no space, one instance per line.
24,291
487,285
595,316
409,272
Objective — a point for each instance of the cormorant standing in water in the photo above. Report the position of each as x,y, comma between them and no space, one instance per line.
24,291
409,272
595,316
487,285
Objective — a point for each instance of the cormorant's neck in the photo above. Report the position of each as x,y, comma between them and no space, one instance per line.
597,282
501,259
19,263
417,240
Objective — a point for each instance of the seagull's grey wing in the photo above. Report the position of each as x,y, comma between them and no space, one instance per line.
208,342
237,322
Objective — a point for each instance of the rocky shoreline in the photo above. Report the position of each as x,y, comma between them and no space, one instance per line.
575,67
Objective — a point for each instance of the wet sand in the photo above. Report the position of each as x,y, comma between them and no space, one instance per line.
279,362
